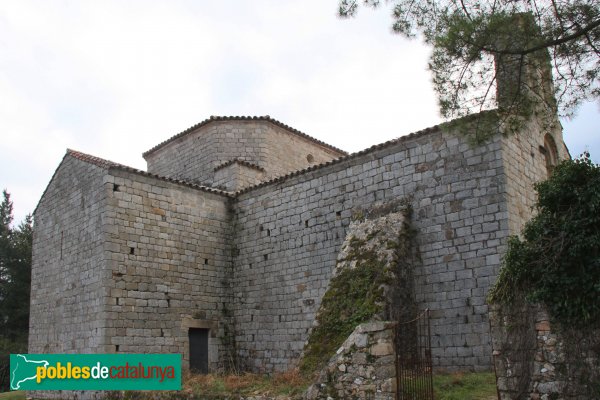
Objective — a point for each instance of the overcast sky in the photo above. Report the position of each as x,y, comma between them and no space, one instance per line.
114,78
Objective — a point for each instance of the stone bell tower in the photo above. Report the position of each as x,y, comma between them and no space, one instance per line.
525,97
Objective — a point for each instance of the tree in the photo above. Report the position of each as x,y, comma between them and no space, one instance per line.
468,36
15,272
6,218
557,260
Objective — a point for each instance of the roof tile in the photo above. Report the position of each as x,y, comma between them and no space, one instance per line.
106,164
243,118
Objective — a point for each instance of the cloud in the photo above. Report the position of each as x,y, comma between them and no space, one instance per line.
114,78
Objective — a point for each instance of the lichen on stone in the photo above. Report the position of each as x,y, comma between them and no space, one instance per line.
363,283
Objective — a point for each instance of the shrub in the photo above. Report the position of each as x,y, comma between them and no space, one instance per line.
557,260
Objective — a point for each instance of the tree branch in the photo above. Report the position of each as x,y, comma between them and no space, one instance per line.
550,43
462,3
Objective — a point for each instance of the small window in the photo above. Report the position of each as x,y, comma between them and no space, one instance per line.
310,158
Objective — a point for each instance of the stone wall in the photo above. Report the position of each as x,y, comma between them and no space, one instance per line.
524,157
364,367
289,232
288,152
536,146
168,253
146,258
67,291
237,175
536,359
194,155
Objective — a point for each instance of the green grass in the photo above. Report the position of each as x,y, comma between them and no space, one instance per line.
17,395
461,386
227,387
465,386
207,386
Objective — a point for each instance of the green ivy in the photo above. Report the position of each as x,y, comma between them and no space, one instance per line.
354,296
557,260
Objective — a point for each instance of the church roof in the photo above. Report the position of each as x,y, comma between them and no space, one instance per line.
401,139
267,118
106,164
240,162
346,157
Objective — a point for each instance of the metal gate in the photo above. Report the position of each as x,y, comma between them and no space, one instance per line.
414,378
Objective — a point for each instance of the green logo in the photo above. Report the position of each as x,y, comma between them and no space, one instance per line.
95,371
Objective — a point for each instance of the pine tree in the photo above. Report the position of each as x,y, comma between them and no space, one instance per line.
15,272
6,217
468,36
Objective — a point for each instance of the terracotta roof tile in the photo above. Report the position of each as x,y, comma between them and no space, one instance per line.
109,164
401,139
106,164
244,118
241,162
100,162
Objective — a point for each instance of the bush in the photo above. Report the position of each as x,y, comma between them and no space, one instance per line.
557,260
7,347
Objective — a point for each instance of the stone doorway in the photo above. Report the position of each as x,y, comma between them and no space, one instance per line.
198,339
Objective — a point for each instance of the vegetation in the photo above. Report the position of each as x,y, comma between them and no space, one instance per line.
468,35
15,279
557,260
458,386
292,384
221,387
354,296
465,386
289,383
18,395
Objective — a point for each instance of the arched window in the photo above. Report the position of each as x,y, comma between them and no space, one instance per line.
550,153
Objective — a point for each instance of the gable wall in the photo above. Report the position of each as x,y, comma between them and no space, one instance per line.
67,290
288,235
174,280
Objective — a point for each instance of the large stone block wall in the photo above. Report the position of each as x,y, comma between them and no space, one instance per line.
289,233
168,253
67,288
524,159
194,156
287,152
127,262
237,176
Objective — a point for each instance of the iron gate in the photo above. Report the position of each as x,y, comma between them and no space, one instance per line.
414,378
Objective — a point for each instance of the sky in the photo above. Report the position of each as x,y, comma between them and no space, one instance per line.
114,78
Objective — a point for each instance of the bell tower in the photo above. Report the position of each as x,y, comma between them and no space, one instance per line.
532,142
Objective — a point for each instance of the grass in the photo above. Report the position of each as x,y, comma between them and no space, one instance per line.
458,386
17,395
221,387
465,386
288,383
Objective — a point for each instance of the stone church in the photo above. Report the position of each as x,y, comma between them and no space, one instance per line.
224,247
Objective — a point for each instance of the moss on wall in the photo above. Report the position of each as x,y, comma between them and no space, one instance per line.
361,287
